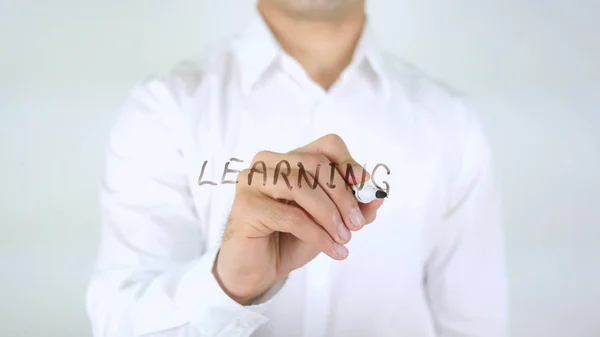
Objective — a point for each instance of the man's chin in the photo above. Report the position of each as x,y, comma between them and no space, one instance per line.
321,15
323,10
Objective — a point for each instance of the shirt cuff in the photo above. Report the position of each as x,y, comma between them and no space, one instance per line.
267,296
212,312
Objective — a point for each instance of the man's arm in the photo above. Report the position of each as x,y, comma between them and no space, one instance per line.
154,271
465,274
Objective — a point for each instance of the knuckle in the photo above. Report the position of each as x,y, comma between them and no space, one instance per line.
278,195
310,161
335,139
334,215
284,217
323,160
273,215
261,156
294,216
244,173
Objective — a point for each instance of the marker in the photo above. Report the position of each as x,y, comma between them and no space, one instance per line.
368,193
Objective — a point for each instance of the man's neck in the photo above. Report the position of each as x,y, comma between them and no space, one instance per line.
323,48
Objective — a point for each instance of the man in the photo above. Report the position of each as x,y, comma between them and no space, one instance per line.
187,251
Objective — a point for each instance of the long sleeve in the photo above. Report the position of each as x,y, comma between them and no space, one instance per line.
465,274
154,274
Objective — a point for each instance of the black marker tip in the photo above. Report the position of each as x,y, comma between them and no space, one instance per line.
380,194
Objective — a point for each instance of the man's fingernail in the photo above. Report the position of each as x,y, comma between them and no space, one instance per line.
356,218
343,232
340,250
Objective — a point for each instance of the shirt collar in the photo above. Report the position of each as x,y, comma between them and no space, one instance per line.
258,49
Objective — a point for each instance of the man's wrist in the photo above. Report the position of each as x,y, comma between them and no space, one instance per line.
244,298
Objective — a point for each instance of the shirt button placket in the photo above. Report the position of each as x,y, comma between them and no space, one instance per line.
324,116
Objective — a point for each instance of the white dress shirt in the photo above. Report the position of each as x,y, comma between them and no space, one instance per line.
430,265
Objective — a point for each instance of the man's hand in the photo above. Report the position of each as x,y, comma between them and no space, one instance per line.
276,228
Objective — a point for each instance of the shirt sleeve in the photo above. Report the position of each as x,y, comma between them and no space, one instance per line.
154,274
465,275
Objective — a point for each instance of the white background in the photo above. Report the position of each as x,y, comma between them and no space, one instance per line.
531,66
